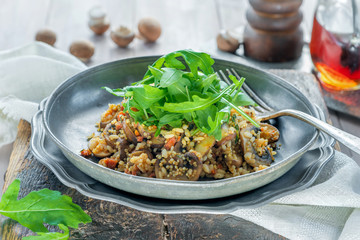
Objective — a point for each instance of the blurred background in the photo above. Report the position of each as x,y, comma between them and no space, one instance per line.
20,20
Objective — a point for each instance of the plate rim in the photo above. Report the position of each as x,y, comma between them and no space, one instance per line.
68,82
86,190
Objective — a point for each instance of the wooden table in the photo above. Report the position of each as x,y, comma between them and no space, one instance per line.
186,24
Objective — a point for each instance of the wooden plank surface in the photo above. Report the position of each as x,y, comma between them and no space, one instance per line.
114,221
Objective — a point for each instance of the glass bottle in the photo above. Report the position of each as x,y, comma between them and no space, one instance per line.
335,44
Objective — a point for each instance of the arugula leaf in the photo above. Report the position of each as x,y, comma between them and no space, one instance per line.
172,62
194,60
206,82
214,124
117,92
157,73
135,110
237,82
182,87
51,235
242,99
147,95
209,120
198,103
39,207
173,119
156,111
178,91
169,77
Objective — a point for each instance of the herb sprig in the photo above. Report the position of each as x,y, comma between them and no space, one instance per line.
183,87
39,207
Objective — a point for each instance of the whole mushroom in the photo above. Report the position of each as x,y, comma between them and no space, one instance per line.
47,36
251,155
189,164
98,21
122,36
226,42
82,49
149,29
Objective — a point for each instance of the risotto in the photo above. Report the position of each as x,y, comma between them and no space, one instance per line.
182,153
182,125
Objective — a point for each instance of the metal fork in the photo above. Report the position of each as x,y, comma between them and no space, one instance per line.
265,112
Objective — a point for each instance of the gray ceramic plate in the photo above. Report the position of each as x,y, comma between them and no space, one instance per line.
301,176
72,109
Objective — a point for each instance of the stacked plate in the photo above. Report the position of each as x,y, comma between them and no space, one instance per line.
67,117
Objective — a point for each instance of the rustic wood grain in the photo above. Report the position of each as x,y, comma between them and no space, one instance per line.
114,221
16,157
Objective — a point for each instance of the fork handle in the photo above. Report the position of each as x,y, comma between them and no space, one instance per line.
349,140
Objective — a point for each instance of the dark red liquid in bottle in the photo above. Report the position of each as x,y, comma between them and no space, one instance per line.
336,58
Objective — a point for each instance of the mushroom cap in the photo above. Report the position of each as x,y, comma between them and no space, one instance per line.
226,42
97,12
98,21
247,147
47,36
157,142
129,133
189,160
82,49
99,28
150,29
122,36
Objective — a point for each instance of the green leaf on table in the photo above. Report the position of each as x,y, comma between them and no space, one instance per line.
39,207
51,235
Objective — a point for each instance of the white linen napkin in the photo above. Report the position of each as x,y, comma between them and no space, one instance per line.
27,75
329,209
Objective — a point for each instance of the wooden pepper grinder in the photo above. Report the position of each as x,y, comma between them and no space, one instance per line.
273,32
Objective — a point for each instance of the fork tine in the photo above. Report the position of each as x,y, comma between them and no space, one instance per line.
224,77
256,108
252,94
